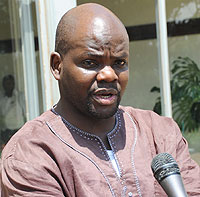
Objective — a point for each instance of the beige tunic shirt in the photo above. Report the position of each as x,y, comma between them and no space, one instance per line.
45,158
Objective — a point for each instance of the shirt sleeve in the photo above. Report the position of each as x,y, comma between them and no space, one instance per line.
23,179
190,170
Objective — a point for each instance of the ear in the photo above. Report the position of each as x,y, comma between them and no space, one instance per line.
55,65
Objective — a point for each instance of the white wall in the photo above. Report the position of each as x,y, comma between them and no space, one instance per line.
48,15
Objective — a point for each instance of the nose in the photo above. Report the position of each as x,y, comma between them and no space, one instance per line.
107,74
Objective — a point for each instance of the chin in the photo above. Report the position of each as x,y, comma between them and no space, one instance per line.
105,113
101,112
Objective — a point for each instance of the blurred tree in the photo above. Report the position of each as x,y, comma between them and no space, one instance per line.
185,90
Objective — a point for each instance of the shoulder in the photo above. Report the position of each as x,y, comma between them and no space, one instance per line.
32,152
19,94
148,115
162,133
149,121
34,132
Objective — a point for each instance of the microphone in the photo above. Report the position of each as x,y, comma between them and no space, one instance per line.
167,173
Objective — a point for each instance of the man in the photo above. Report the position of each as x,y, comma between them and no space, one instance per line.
88,145
12,109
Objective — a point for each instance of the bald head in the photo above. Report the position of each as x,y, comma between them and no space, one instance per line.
87,21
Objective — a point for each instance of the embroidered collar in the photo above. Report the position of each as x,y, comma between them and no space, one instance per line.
81,132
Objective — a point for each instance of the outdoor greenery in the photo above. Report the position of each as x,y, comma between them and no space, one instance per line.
185,90
193,139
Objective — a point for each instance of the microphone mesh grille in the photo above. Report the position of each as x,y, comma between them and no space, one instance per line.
160,160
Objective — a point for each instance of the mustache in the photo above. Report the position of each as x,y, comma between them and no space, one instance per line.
105,85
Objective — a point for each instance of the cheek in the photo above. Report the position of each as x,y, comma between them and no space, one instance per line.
79,78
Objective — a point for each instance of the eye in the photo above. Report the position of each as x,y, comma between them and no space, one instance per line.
89,64
120,63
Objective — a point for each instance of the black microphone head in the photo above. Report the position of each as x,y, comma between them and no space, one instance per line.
164,165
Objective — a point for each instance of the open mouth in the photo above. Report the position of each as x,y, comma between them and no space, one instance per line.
105,96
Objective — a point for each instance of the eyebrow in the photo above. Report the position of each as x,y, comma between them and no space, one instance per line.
101,54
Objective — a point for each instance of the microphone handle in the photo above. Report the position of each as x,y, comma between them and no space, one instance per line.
173,186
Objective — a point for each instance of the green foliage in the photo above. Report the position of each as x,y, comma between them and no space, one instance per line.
185,90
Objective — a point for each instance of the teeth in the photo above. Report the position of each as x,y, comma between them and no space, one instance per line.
105,96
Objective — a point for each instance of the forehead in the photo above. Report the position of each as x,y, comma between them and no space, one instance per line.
99,34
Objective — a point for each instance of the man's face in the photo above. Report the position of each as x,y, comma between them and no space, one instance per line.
95,72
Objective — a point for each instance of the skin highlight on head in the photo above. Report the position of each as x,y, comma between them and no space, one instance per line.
91,66
76,20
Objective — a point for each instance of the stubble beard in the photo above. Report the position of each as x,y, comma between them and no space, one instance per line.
86,107
98,115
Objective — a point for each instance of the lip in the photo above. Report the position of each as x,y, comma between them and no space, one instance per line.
101,91
105,96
